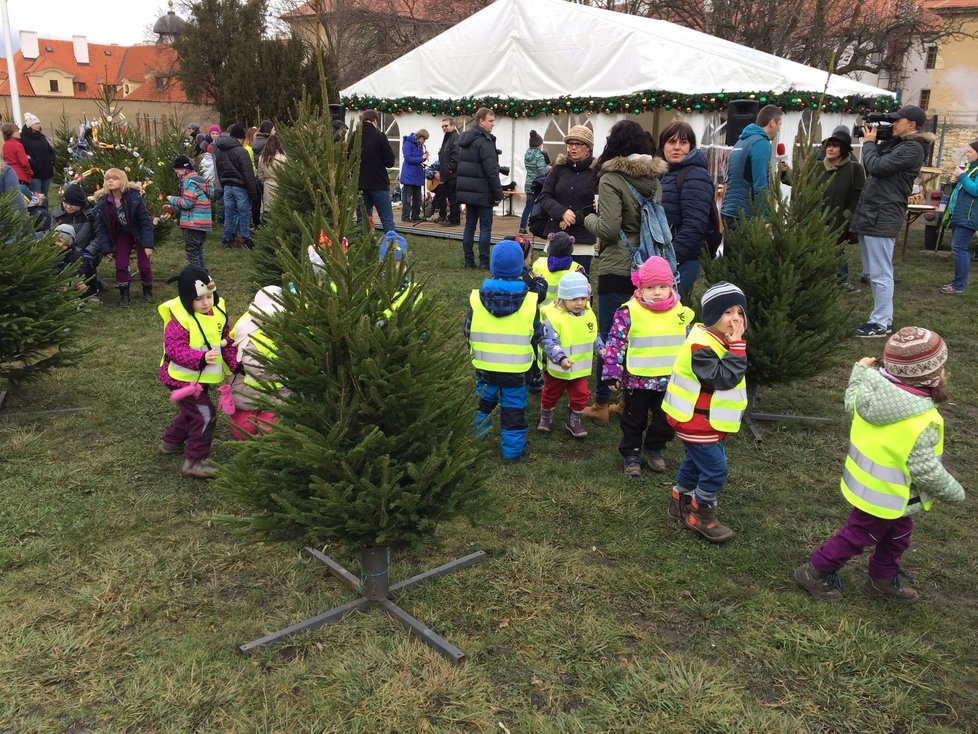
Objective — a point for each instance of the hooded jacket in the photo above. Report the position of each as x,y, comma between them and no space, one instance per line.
688,211
739,192
40,151
503,297
107,226
618,209
83,221
478,169
891,168
881,402
412,161
232,165
570,185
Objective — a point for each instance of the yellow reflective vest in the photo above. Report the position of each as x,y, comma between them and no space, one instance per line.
502,343
553,278
875,477
577,335
260,342
655,339
213,328
726,406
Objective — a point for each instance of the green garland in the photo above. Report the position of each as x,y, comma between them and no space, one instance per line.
633,104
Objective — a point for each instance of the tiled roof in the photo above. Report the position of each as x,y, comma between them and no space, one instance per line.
106,64
950,5
417,9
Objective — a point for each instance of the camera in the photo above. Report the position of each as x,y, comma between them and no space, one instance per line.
504,170
884,126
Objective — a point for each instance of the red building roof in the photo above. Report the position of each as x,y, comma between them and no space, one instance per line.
106,65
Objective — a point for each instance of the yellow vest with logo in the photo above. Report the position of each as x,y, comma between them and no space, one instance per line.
655,339
213,328
552,278
726,406
502,344
577,335
875,477
260,342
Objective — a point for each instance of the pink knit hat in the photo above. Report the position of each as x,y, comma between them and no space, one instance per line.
654,271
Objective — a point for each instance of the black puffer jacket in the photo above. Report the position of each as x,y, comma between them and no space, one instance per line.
570,185
376,156
40,151
448,156
478,169
232,165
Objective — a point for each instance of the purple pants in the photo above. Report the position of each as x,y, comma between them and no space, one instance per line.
891,538
194,426
124,245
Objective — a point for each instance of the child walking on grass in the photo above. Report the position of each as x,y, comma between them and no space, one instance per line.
645,338
894,466
570,337
705,400
196,353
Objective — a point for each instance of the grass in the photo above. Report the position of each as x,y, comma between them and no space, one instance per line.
124,601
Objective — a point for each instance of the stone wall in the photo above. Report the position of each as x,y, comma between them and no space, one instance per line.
955,143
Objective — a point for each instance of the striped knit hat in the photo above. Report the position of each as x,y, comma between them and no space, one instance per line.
915,356
718,298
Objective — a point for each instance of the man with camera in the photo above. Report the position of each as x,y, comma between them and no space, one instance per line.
892,156
479,187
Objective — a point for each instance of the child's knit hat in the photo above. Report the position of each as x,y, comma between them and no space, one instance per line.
915,356
74,194
65,232
718,298
506,260
525,245
396,245
654,271
573,285
560,244
183,162
194,282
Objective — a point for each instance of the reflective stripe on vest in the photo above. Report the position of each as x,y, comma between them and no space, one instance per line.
399,298
875,478
655,339
213,328
502,344
266,347
576,335
553,278
726,407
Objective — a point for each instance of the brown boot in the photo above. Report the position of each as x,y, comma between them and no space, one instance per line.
655,461
617,408
823,586
597,412
198,469
170,448
894,587
574,426
679,505
703,519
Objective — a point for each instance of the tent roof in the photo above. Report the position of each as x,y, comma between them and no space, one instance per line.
539,49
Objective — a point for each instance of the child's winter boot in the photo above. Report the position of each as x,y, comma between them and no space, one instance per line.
124,296
170,448
147,293
703,519
633,465
679,505
894,587
574,424
198,469
546,423
597,412
823,586
655,460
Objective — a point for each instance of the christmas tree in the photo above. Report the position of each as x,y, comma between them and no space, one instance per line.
38,301
374,444
63,148
786,258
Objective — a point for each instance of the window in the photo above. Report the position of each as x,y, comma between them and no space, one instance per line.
930,62
125,90
160,83
924,99
53,85
81,87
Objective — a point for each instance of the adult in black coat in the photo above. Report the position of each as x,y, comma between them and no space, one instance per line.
235,176
479,187
40,152
376,156
446,196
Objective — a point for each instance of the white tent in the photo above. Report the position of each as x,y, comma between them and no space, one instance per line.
547,49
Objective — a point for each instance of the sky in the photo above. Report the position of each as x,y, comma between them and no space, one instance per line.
124,22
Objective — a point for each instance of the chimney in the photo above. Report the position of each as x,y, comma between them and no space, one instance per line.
80,46
28,44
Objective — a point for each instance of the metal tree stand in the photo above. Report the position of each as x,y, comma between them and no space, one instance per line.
376,591
750,416
36,413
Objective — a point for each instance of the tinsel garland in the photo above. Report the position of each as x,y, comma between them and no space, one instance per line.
633,104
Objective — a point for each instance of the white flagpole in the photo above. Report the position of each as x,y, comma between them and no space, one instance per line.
11,70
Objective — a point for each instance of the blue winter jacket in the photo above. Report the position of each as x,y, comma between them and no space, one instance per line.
739,193
412,168
688,211
964,212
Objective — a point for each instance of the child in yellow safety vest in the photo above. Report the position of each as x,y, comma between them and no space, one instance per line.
645,337
705,400
197,353
570,338
251,402
894,467
558,262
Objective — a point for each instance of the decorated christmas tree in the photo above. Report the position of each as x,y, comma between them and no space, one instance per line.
374,446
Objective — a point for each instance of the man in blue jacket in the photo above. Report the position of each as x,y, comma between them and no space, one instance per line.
748,166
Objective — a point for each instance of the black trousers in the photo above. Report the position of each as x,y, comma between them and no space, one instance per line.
446,200
643,409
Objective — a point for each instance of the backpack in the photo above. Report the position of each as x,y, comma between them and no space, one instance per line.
713,237
539,219
654,235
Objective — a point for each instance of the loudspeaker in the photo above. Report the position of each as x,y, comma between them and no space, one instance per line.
336,113
740,114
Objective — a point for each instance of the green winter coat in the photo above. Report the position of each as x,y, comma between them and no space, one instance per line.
619,210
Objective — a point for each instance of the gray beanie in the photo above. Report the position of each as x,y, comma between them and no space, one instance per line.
65,232
718,298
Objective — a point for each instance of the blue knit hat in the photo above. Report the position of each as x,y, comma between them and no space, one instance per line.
573,285
506,260
396,245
